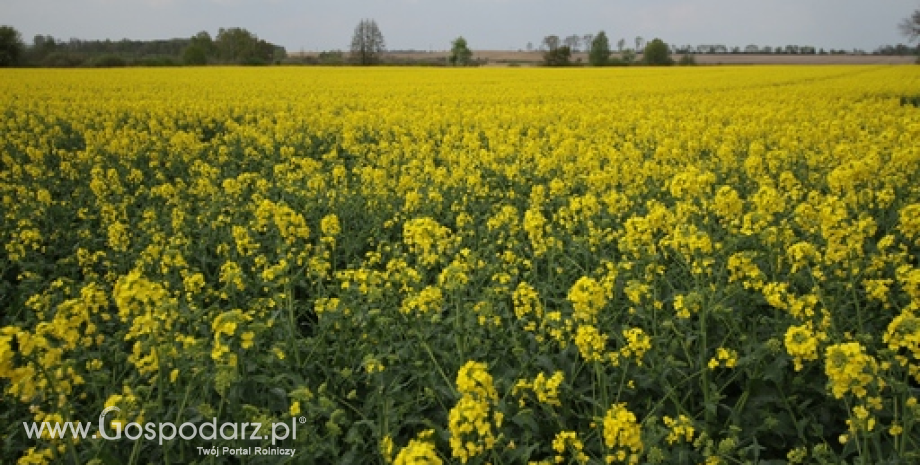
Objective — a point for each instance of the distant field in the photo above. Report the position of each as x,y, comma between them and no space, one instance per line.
505,57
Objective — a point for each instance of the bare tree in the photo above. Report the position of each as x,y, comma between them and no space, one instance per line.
551,42
572,42
910,27
587,39
367,44
639,43
621,44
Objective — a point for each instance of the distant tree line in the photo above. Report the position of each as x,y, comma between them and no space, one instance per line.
753,49
557,50
554,48
230,46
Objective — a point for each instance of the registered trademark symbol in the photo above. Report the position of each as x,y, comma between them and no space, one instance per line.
303,420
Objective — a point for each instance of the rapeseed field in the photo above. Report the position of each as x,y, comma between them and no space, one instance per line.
710,265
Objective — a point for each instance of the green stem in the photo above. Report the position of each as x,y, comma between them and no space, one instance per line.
459,334
292,322
601,384
161,388
859,308
704,369
798,428
178,421
436,364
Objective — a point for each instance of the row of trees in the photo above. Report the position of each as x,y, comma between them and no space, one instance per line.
899,49
655,53
555,46
575,43
368,46
585,43
230,46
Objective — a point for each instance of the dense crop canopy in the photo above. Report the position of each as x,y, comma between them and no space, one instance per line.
491,265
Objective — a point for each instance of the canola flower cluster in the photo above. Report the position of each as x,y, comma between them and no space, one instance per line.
707,265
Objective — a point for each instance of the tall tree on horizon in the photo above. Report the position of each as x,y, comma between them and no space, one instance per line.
12,47
657,53
367,44
460,53
600,50
199,49
910,26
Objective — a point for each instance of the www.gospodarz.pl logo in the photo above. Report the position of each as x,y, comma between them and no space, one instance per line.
160,432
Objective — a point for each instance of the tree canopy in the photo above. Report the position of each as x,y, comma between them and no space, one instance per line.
657,53
232,46
12,48
200,47
237,45
559,56
460,53
600,50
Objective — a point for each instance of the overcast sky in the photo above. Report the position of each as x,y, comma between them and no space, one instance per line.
486,24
